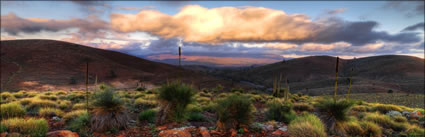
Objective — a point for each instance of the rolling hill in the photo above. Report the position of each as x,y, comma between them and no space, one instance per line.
316,74
49,64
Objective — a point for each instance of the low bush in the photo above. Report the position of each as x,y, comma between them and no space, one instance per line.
143,103
400,119
27,127
359,108
415,131
370,129
234,111
48,97
39,103
352,128
11,110
81,125
307,125
385,121
6,97
25,101
79,106
148,115
64,104
74,114
278,111
303,107
20,94
196,116
385,108
174,98
50,112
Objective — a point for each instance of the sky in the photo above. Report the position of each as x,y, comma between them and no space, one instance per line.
226,33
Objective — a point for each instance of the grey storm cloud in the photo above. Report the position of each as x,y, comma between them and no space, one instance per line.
360,33
13,24
418,26
409,8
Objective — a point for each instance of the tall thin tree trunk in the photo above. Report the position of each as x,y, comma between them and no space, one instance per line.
87,86
336,79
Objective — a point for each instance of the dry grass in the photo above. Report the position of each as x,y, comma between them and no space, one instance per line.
409,100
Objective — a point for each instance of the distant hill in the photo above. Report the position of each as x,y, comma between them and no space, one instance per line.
316,74
49,64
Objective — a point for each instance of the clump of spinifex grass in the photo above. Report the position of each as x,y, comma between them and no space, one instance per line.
233,112
109,111
11,110
27,127
173,99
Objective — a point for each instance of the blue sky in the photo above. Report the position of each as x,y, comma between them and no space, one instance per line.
103,27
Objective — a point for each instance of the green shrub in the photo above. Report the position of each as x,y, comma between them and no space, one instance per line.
76,97
385,108
370,129
48,97
385,121
334,111
196,116
11,110
39,103
25,101
74,114
279,111
64,104
49,112
79,106
143,103
19,94
352,128
415,131
400,119
307,125
109,111
234,111
303,107
6,97
32,127
174,98
359,108
148,115
81,125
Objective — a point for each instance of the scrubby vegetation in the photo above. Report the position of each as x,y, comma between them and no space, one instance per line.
109,111
234,111
174,98
176,104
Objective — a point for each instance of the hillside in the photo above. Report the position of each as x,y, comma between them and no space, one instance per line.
48,64
316,74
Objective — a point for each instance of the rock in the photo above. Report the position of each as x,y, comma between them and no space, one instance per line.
204,132
14,134
62,133
281,132
266,127
55,118
393,113
415,115
284,128
233,132
4,134
162,127
174,133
